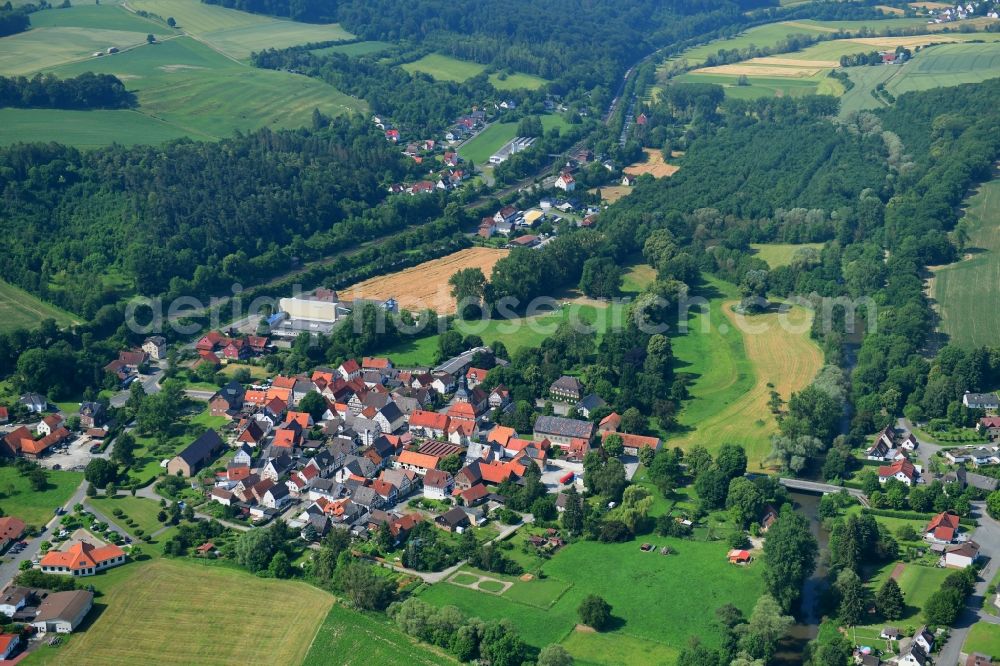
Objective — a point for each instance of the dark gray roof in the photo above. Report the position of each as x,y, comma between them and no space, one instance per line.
202,448
454,517
365,496
567,383
391,412
557,425
592,401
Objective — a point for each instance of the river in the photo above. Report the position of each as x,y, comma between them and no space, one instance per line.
807,626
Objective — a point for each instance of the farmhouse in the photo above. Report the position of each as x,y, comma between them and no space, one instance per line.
199,453
454,520
988,401
62,612
561,431
420,463
82,559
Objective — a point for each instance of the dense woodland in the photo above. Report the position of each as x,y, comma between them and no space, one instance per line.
86,91
13,21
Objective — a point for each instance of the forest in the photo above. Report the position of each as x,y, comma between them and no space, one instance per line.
13,21
307,11
86,91
193,217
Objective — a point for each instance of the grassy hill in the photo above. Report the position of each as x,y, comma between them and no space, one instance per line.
19,309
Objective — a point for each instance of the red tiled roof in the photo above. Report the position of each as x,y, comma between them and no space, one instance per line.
81,555
11,528
634,441
904,466
432,420
418,459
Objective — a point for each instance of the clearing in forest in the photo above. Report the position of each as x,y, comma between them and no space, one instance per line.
426,285
654,165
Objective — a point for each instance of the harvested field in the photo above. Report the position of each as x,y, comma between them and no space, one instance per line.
613,193
795,62
762,70
654,165
909,41
886,9
930,5
426,285
811,26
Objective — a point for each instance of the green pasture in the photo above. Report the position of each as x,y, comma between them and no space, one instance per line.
189,87
965,293
445,68
19,309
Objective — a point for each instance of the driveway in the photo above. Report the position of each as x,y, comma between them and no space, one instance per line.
556,469
11,565
926,451
150,383
987,535
75,457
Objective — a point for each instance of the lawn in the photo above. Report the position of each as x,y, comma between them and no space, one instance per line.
19,309
190,88
347,637
734,371
140,509
638,277
659,601
479,148
780,254
917,582
35,508
445,68
160,600
985,638
256,371
965,293
613,649
237,34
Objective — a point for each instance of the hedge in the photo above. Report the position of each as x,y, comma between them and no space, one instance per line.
912,515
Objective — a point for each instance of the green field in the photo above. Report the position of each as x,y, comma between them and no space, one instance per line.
517,81
238,34
106,16
765,86
185,88
479,148
965,293
35,508
351,638
140,509
660,600
355,49
985,638
514,333
43,48
19,309
161,600
732,370
780,254
931,67
445,68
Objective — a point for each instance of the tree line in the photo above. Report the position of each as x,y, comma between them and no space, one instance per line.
85,91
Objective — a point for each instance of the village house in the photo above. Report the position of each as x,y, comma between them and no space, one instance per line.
438,484
11,529
943,528
453,520
227,401
8,645
565,182
977,455
197,454
420,463
50,424
902,470
34,402
989,426
63,612
987,401
92,415
82,559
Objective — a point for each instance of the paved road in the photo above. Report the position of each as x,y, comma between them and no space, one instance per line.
926,451
151,384
196,394
10,568
987,535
